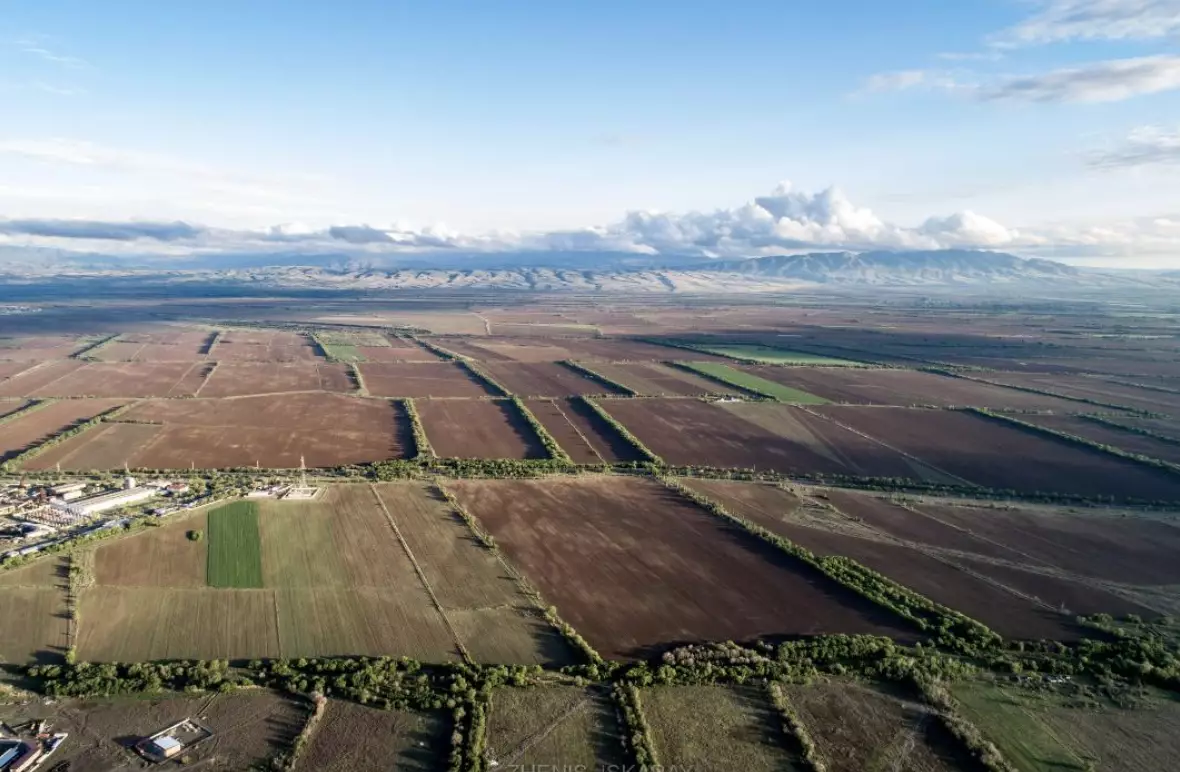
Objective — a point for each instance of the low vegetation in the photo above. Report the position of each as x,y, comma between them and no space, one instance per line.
554,450
235,547
623,431
598,377
752,384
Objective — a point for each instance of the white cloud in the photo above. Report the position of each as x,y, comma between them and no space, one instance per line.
1108,81
1144,146
1067,20
36,46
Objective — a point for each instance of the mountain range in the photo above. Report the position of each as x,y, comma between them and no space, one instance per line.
572,271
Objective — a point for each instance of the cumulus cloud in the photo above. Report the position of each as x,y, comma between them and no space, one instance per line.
1108,81
1057,21
1144,146
785,220
99,230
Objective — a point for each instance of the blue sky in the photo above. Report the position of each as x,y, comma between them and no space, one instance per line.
1048,126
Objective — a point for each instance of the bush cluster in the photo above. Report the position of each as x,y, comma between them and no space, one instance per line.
625,433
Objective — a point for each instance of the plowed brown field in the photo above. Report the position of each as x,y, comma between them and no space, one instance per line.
635,568
234,379
478,428
39,425
426,379
544,379
652,379
129,379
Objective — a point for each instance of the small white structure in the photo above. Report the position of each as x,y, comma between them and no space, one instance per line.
68,490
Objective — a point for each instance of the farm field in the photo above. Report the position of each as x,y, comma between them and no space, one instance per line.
264,346
235,547
236,379
272,431
40,629
751,382
250,728
1097,389
584,543
655,379
39,348
1046,731
155,347
159,557
38,376
554,728
129,379
937,576
426,379
996,455
858,728
875,386
9,369
1166,427
496,349
1108,435
544,379
478,428
10,406
353,738
758,435
554,416
717,727
32,428
105,446
769,355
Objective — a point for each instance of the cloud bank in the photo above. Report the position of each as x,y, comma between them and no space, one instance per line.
782,221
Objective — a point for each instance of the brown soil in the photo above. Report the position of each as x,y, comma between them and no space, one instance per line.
555,419
353,738
26,431
106,446
544,379
905,388
427,379
1108,435
233,379
652,379
9,369
1071,597
327,429
129,379
264,346
38,377
1093,388
478,428
159,557
636,569
996,455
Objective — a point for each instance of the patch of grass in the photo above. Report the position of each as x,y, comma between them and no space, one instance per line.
235,548
772,356
343,352
1009,718
755,384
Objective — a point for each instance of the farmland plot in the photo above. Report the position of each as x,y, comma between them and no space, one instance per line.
744,379
1096,389
35,378
264,346
235,547
544,379
38,632
1108,435
996,456
128,379
478,428
160,557
354,738
568,436
586,543
423,379
276,431
35,427
653,379
557,727
716,728
9,369
856,728
106,446
235,379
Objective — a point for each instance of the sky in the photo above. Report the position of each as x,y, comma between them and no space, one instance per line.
1041,127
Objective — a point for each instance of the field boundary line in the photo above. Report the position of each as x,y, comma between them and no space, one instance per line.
85,364
184,375
883,444
422,576
531,740
208,376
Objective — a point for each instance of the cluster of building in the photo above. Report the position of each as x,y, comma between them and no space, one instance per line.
170,742
28,746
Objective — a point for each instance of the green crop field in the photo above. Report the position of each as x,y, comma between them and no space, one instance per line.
235,549
343,352
1011,721
772,356
754,383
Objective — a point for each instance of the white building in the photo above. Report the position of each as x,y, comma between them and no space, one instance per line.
93,505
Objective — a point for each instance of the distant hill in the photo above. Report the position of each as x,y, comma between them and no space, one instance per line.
573,271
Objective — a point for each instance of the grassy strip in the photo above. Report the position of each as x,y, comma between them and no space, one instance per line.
422,447
638,739
950,628
715,377
358,379
626,434
794,727
1139,458
981,749
235,546
498,389
554,450
16,461
93,347
567,630
752,383
321,347
36,404
1132,429
446,354
598,377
